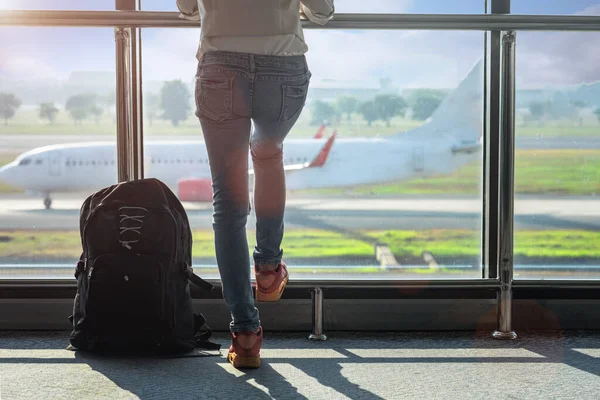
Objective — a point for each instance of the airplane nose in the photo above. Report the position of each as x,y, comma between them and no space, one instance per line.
5,174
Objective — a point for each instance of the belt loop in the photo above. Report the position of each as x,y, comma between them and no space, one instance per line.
252,63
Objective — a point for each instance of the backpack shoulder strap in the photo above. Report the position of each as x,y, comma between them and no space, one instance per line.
196,280
201,336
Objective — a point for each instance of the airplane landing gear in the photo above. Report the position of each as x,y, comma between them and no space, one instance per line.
47,202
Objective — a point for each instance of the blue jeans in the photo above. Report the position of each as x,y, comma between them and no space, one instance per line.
235,92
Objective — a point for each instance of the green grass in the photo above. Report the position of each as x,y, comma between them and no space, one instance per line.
325,245
547,172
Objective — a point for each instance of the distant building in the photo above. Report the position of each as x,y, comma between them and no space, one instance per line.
328,89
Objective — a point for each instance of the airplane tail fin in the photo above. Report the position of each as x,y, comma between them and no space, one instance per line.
460,115
320,132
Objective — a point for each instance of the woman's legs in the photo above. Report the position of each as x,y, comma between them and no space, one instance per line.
279,94
228,155
222,100
230,90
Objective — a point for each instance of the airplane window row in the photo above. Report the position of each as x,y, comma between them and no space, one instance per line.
27,161
298,160
69,163
178,161
74,163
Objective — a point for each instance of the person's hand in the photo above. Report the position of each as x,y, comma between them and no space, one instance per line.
194,17
302,13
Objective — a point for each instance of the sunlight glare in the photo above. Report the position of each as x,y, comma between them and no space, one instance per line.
8,4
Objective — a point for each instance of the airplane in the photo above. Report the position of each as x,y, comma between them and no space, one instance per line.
449,139
320,132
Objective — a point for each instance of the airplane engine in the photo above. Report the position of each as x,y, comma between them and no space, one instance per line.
194,190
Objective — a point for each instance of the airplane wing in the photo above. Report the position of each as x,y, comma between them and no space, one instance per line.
317,162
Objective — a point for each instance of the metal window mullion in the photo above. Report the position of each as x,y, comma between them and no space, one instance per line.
136,137
129,104
506,192
491,152
123,103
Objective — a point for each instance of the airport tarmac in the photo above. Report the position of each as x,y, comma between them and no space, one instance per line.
19,143
339,214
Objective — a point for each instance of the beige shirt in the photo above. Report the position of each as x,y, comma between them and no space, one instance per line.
269,27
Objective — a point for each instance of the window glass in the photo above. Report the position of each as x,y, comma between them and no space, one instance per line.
545,7
557,173
400,195
57,87
103,5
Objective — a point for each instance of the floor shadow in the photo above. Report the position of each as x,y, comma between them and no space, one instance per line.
189,378
213,377
561,347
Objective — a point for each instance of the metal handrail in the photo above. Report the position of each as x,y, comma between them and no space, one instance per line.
152,19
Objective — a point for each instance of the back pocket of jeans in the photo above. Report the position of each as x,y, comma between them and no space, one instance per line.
214,98
294,97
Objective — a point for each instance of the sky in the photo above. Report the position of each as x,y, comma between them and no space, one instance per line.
410,58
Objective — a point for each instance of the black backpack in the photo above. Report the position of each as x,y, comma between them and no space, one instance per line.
133,276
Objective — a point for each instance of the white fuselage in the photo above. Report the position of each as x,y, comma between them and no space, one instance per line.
91,166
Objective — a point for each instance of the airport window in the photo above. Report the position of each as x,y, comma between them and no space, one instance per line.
411,213
364,70
70,69
557,158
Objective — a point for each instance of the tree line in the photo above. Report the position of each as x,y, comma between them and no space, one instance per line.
79,107
383,107
173,104
551,109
